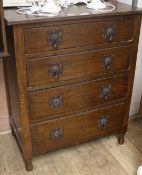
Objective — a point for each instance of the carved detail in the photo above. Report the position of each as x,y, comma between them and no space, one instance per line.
103,122
55,70
106,91
109,32
57,133
56,101
55,38
107,61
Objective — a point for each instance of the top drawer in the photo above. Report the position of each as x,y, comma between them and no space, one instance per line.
43,39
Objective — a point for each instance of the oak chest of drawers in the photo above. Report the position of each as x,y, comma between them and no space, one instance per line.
69,78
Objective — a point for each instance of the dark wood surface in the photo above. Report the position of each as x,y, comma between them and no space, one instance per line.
76,97
3,41
12,17
37,39
75,129
62,84
77,65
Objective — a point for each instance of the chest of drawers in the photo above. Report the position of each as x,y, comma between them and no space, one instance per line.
69,79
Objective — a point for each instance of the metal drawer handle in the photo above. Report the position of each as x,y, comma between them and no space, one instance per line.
55,38
106,91
109,32
56,101
107,62
103,122
57,133
55,70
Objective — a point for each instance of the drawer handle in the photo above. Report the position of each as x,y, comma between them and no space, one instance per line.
55,38
56,101
109,31
106,92
107,62
55,70
103,122
57,133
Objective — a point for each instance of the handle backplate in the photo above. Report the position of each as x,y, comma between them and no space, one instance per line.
55,70
109,32
57,133
103,122
105,91
56,101
107,61
55,38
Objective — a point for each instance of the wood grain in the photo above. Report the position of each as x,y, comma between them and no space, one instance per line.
37,39
22,97
78,65
75,129
75,97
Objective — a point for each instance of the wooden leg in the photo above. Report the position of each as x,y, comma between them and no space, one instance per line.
28,165
121,138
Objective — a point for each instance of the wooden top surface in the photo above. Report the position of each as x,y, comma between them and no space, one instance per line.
79,11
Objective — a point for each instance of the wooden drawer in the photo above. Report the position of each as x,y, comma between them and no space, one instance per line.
44,104
74,66
43,39
71,130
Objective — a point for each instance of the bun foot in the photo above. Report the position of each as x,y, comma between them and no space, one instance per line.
121,139
28,165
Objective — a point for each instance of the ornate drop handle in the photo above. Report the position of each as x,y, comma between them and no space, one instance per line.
103,122
55,38
57,133
107,61
106,91
56,101
109,31
55,70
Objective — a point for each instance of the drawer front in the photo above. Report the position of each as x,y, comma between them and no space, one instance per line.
79,96
71,130
45,39
80,65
